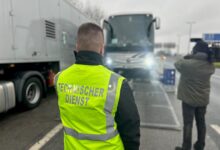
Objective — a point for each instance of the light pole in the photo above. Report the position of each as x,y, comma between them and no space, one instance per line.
190,31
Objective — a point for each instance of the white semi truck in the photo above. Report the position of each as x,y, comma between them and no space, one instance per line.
129,45
36,41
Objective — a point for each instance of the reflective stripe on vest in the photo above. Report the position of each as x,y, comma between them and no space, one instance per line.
111,132
95,137
56,79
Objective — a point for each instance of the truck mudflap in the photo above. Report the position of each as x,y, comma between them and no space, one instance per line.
7,96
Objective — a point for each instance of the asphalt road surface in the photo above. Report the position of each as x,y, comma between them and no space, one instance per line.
213,109
213,112
39,128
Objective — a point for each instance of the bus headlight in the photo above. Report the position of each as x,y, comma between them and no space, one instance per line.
108,61
149,61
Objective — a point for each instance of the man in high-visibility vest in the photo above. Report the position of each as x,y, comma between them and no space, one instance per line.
97,108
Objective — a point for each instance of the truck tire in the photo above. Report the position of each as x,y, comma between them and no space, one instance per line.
32,92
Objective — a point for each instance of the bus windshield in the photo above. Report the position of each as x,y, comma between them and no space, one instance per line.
130,30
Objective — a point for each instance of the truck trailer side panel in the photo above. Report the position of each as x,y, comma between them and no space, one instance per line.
5,31
42,31
49,16
37,39
27,29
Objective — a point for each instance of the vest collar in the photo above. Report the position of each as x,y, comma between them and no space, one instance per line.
89,58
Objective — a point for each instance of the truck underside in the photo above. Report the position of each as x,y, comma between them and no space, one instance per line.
25,83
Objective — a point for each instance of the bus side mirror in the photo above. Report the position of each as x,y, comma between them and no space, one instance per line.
106,25
157,23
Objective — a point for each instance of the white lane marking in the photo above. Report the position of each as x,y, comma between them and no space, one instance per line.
216,76
47,137
216,128
171,106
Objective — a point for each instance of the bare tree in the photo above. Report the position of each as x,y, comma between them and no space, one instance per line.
92,11
77,4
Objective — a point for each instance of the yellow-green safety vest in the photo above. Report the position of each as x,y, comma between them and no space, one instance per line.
88,98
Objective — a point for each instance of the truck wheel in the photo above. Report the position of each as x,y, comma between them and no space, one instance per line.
32,92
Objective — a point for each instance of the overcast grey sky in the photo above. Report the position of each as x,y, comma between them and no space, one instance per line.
173,14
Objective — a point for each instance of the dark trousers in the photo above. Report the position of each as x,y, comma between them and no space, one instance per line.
188,116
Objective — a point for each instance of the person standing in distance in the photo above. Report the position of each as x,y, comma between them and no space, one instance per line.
97,108
193,91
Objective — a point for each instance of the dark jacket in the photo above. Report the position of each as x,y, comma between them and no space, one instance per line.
194,84
127,117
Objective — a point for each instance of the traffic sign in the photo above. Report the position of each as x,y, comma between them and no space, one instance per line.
213,37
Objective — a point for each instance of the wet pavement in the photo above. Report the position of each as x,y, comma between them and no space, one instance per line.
160,119
154,106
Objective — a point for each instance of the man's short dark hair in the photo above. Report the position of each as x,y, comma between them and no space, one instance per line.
90,37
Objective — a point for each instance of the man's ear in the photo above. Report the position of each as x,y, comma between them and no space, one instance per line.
102,50
77,46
